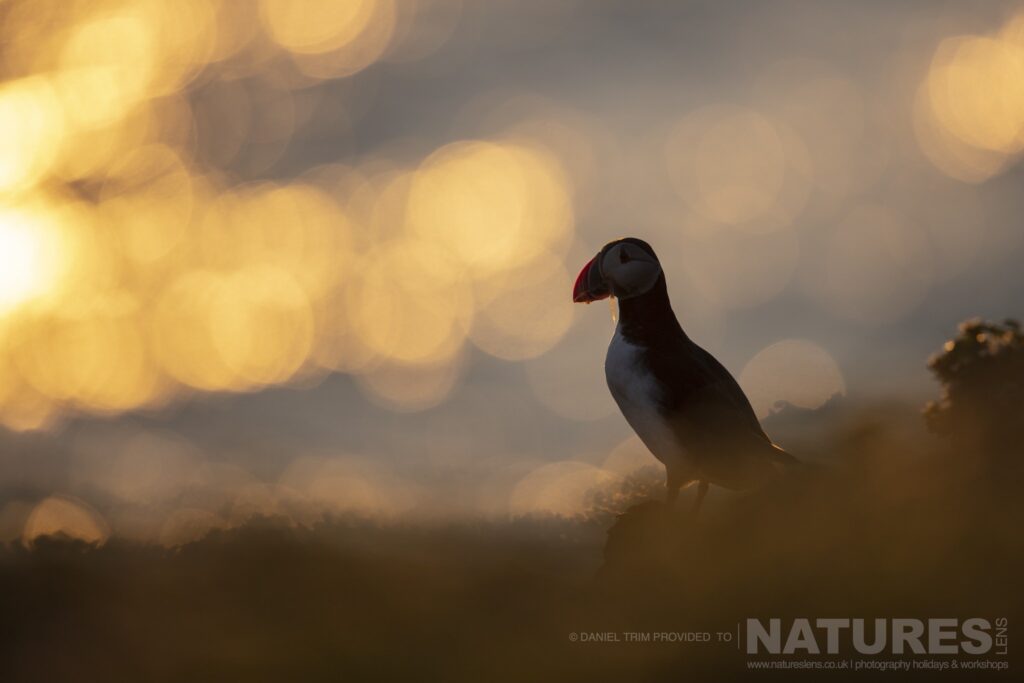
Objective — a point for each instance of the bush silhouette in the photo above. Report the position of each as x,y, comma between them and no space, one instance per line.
982,403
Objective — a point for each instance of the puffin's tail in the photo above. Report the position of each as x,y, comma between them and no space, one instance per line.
784,458
789,466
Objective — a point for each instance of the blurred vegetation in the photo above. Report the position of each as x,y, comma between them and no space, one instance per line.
891,528
982,402
606,503
884,533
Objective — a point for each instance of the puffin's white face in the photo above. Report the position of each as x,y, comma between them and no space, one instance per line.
629,270
623,268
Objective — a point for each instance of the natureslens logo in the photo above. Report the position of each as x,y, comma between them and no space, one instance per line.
976,636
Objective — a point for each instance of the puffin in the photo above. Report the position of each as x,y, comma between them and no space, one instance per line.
684,405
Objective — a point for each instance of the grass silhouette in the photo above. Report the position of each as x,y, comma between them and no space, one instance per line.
892,527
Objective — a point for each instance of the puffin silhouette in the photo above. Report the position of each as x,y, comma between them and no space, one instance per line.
682,403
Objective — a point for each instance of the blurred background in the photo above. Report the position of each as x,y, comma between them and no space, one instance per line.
300,259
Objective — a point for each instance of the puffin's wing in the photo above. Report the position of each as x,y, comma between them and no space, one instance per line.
706,405
725,389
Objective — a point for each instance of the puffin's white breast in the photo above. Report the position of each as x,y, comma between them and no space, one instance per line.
637,393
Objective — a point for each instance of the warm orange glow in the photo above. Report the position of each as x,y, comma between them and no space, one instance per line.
30,257
153,244
67,516
559,488
630,456
331,39
794,371
969,114
525,314
106,67
316,26
409,301
409,387
366,216
165,277
493,205
976,88
32,127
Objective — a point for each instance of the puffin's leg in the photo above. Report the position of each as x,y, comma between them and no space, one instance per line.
671,493
674,482
702,490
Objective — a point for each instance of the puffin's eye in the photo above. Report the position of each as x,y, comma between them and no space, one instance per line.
624,256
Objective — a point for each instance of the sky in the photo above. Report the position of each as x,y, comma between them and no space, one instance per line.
257,260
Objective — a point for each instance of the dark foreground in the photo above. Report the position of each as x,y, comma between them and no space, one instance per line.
890,534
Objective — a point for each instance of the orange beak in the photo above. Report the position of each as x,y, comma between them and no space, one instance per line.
590,286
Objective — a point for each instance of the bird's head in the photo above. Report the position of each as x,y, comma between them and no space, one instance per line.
624,268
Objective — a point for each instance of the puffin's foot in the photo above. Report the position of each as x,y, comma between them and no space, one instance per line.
702,490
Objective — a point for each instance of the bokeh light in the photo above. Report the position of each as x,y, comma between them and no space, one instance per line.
630,456
737,167
349,485
331,39
559,488
495,206
409,301
528,313
30,256
828,118
168,275
31,128
137,467
204,197
794,371
969,113
567,380
66,516
405,387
